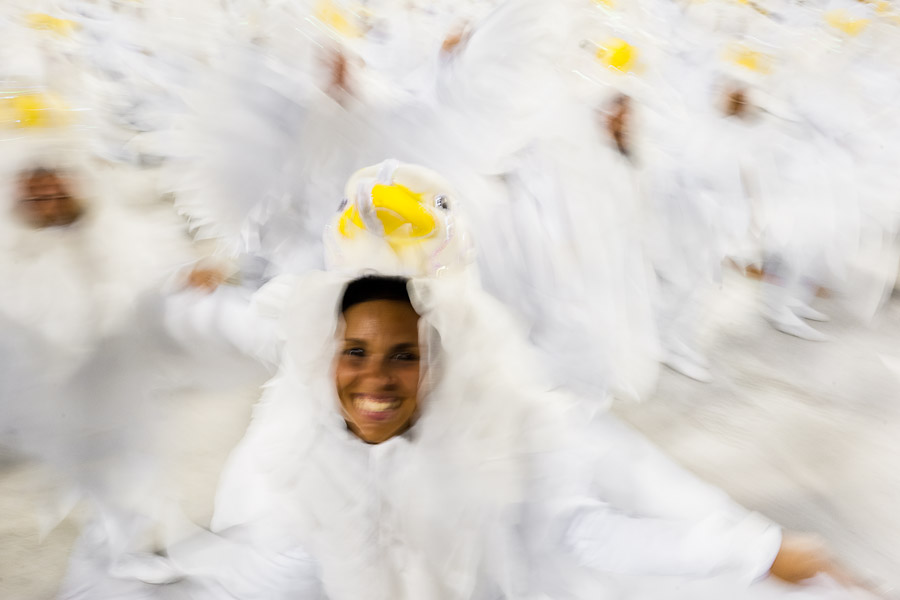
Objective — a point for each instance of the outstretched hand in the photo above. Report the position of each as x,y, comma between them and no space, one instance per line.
802,557
205,278
456,39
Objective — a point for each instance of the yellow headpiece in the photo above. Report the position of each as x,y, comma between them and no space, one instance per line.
617,54
32,110
397,218
400,211
337,19
839,19
42,21
882,7
752,60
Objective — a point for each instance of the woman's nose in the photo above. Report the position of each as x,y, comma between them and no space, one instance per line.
378,369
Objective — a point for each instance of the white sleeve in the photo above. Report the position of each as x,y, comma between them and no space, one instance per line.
606,540
631,473
247,563
618,504
225,318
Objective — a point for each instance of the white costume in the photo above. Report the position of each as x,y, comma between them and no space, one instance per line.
69,293
76,391
498,490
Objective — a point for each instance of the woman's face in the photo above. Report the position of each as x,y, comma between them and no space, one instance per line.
46,202
377,373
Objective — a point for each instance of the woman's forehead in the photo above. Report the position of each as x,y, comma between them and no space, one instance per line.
42,178
381,319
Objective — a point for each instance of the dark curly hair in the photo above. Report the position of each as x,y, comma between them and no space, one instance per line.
374,287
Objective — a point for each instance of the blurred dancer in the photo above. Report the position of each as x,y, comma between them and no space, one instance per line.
800,199
76,267
409,448
695,180
454,87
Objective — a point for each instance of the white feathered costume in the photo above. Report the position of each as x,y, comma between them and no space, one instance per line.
498,490
80,336
493,110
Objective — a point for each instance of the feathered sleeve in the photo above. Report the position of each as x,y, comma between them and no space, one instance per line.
604,539
622,507
248,562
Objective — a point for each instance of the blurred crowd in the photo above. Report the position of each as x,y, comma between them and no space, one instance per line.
161,160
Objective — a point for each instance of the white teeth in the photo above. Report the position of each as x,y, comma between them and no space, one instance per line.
376,405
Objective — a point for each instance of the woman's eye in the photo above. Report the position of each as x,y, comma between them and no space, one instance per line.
405,356
355,352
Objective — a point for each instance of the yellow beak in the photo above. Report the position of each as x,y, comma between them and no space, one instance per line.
403,217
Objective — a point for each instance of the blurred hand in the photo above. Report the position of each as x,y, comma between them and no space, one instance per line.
456,39
339,71
339,68
802,557
205,278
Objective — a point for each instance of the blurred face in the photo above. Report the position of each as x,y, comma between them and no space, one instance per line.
736,104
377,373
45,201
617,123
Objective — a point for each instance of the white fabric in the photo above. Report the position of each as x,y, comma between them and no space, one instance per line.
477,509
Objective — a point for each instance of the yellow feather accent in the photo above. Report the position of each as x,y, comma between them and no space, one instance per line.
31,110
334,17
840,20
617,54
45,22
752,60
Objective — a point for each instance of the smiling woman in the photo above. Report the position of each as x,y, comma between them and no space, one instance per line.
412,446
377,367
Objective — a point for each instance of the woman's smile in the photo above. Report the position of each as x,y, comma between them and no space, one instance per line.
376,406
